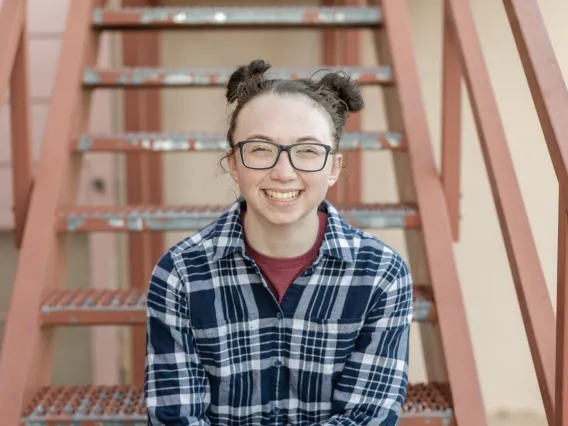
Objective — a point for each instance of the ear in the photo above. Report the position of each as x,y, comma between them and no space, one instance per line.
335,168
232,164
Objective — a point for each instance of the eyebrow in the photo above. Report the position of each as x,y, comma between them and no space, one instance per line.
258,136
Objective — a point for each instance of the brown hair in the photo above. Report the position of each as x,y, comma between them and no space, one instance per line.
335,92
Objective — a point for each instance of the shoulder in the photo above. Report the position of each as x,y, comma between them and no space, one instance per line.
375,254
370,256
195,253
196,243
194,250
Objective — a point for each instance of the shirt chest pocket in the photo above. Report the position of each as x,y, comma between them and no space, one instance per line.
322,345
228,349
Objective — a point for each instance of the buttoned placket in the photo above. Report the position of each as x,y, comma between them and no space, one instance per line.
276,409
280,318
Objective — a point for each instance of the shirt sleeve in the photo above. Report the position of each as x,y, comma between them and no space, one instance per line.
374,381
176,387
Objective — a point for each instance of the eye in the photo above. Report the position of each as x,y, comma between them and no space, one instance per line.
309,150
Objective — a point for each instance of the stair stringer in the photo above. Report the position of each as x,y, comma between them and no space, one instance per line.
448,347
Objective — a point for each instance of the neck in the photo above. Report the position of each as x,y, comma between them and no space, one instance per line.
283,241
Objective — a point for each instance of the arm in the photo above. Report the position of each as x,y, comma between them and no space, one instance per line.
374,381
176,387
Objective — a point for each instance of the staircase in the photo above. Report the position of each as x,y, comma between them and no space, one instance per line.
39,304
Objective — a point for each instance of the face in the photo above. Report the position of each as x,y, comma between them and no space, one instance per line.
283,195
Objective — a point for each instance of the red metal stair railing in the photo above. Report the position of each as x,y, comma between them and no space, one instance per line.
27,350
463,57
550,97
450,352
14,75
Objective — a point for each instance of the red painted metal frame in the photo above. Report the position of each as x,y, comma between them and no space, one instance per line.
351,50
405,109
14,72
26,363
550,97
142,111
528,276
451,126
561,383
343,48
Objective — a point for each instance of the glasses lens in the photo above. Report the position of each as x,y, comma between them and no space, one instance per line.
262,155
309,157
259,155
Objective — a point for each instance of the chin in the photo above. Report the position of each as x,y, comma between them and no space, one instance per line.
281,219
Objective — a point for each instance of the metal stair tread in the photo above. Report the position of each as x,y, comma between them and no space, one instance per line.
178,218
128,307
123,404
217,77
216,142
223,16
94,307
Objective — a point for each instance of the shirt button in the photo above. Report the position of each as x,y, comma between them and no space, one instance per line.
277,363
276,410
279,315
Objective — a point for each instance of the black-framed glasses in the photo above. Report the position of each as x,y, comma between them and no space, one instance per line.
304,156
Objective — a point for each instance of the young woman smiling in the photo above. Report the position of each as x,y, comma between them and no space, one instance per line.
279,312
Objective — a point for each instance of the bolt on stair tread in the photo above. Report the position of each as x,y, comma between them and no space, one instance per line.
235,17
216,142
217,77
128,307
85,404
181,218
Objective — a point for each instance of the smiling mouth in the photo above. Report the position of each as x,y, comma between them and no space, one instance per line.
282,196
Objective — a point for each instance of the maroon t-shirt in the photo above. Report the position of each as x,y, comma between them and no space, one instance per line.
281,273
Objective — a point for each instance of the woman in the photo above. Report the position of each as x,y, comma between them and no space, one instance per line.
279,312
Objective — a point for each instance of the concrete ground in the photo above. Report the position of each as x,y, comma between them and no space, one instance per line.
507,419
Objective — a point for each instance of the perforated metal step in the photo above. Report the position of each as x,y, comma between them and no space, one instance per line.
94,307
426,404
216,142
87,405
215,77
174,218
235,17
128,307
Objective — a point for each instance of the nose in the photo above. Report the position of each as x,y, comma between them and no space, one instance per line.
283,170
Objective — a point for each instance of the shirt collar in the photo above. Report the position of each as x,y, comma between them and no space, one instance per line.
228,233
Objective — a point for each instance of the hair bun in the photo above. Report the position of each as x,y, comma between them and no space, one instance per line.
346,90
254,70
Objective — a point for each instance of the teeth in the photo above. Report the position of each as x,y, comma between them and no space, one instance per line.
282,196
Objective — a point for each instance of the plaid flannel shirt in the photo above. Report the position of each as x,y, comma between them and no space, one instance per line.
222,351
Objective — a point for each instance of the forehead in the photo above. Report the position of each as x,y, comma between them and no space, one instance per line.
284,119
